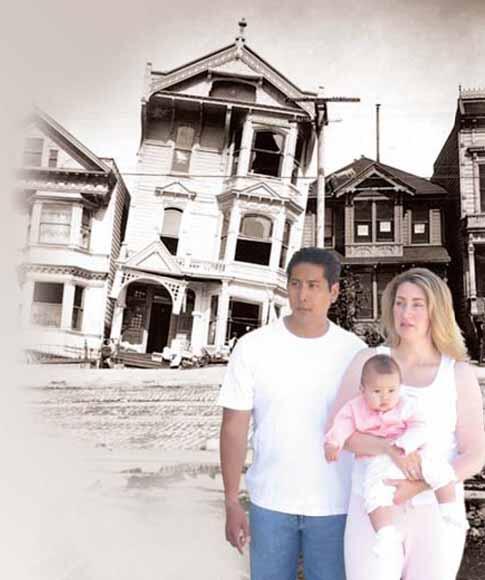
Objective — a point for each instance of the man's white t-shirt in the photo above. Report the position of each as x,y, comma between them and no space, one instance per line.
290,384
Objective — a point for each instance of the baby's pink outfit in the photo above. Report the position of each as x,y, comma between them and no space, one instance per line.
404,424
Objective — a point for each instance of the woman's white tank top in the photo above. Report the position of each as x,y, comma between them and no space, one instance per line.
438,403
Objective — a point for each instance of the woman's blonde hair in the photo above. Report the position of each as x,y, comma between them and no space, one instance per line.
445,332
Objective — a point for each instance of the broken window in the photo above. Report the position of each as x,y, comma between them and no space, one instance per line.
267,153
47,304
170,230
254,240
183,149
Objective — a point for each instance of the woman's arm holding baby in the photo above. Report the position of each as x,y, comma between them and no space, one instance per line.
469,426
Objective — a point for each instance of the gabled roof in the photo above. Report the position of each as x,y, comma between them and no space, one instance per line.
79,151
236,52
355,172
154,258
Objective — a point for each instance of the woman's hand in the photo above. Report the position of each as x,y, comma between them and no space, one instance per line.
405,489
409,464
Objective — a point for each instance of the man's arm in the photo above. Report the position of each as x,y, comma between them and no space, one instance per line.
233,449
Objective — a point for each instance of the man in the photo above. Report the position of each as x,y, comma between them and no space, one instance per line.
286,375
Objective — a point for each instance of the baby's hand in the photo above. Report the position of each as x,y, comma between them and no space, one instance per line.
331,452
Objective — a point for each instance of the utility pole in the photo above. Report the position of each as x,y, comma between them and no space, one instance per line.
378,152
320,120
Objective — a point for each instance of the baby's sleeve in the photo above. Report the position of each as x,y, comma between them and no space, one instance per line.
342,427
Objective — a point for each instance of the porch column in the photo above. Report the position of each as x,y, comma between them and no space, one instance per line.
233,232
117,321
35,222
278,230
245,150
27,298
472,290
67,305
289,157
222,314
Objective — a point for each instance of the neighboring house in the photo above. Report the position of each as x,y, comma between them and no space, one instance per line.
219,204
460,168
380,220
75,209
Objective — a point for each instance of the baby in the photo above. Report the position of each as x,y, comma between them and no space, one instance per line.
382,410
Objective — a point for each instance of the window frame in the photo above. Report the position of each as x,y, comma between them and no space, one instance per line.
56,313
374,222
178,146
77,315
171,242
33,152
427,224
43,222
255,150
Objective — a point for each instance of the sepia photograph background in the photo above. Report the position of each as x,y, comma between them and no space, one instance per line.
81,508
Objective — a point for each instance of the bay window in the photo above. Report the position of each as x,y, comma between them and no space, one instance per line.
47,304
373,221
55,223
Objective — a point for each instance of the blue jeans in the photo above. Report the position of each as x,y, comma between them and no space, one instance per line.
277,540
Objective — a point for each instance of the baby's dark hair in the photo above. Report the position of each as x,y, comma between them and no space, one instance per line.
381,364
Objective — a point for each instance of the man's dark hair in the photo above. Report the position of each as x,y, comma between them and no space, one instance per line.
320,257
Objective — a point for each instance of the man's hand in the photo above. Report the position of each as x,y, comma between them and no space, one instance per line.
405,489
331,452
409,464
237,525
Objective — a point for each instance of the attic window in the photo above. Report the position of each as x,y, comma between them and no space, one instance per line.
53,155
33,151
267,153
233,90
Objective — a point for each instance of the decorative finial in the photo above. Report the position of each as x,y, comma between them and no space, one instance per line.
242,25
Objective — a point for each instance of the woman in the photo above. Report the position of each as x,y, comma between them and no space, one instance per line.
424,339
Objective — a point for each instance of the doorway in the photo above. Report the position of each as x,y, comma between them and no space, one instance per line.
160,316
